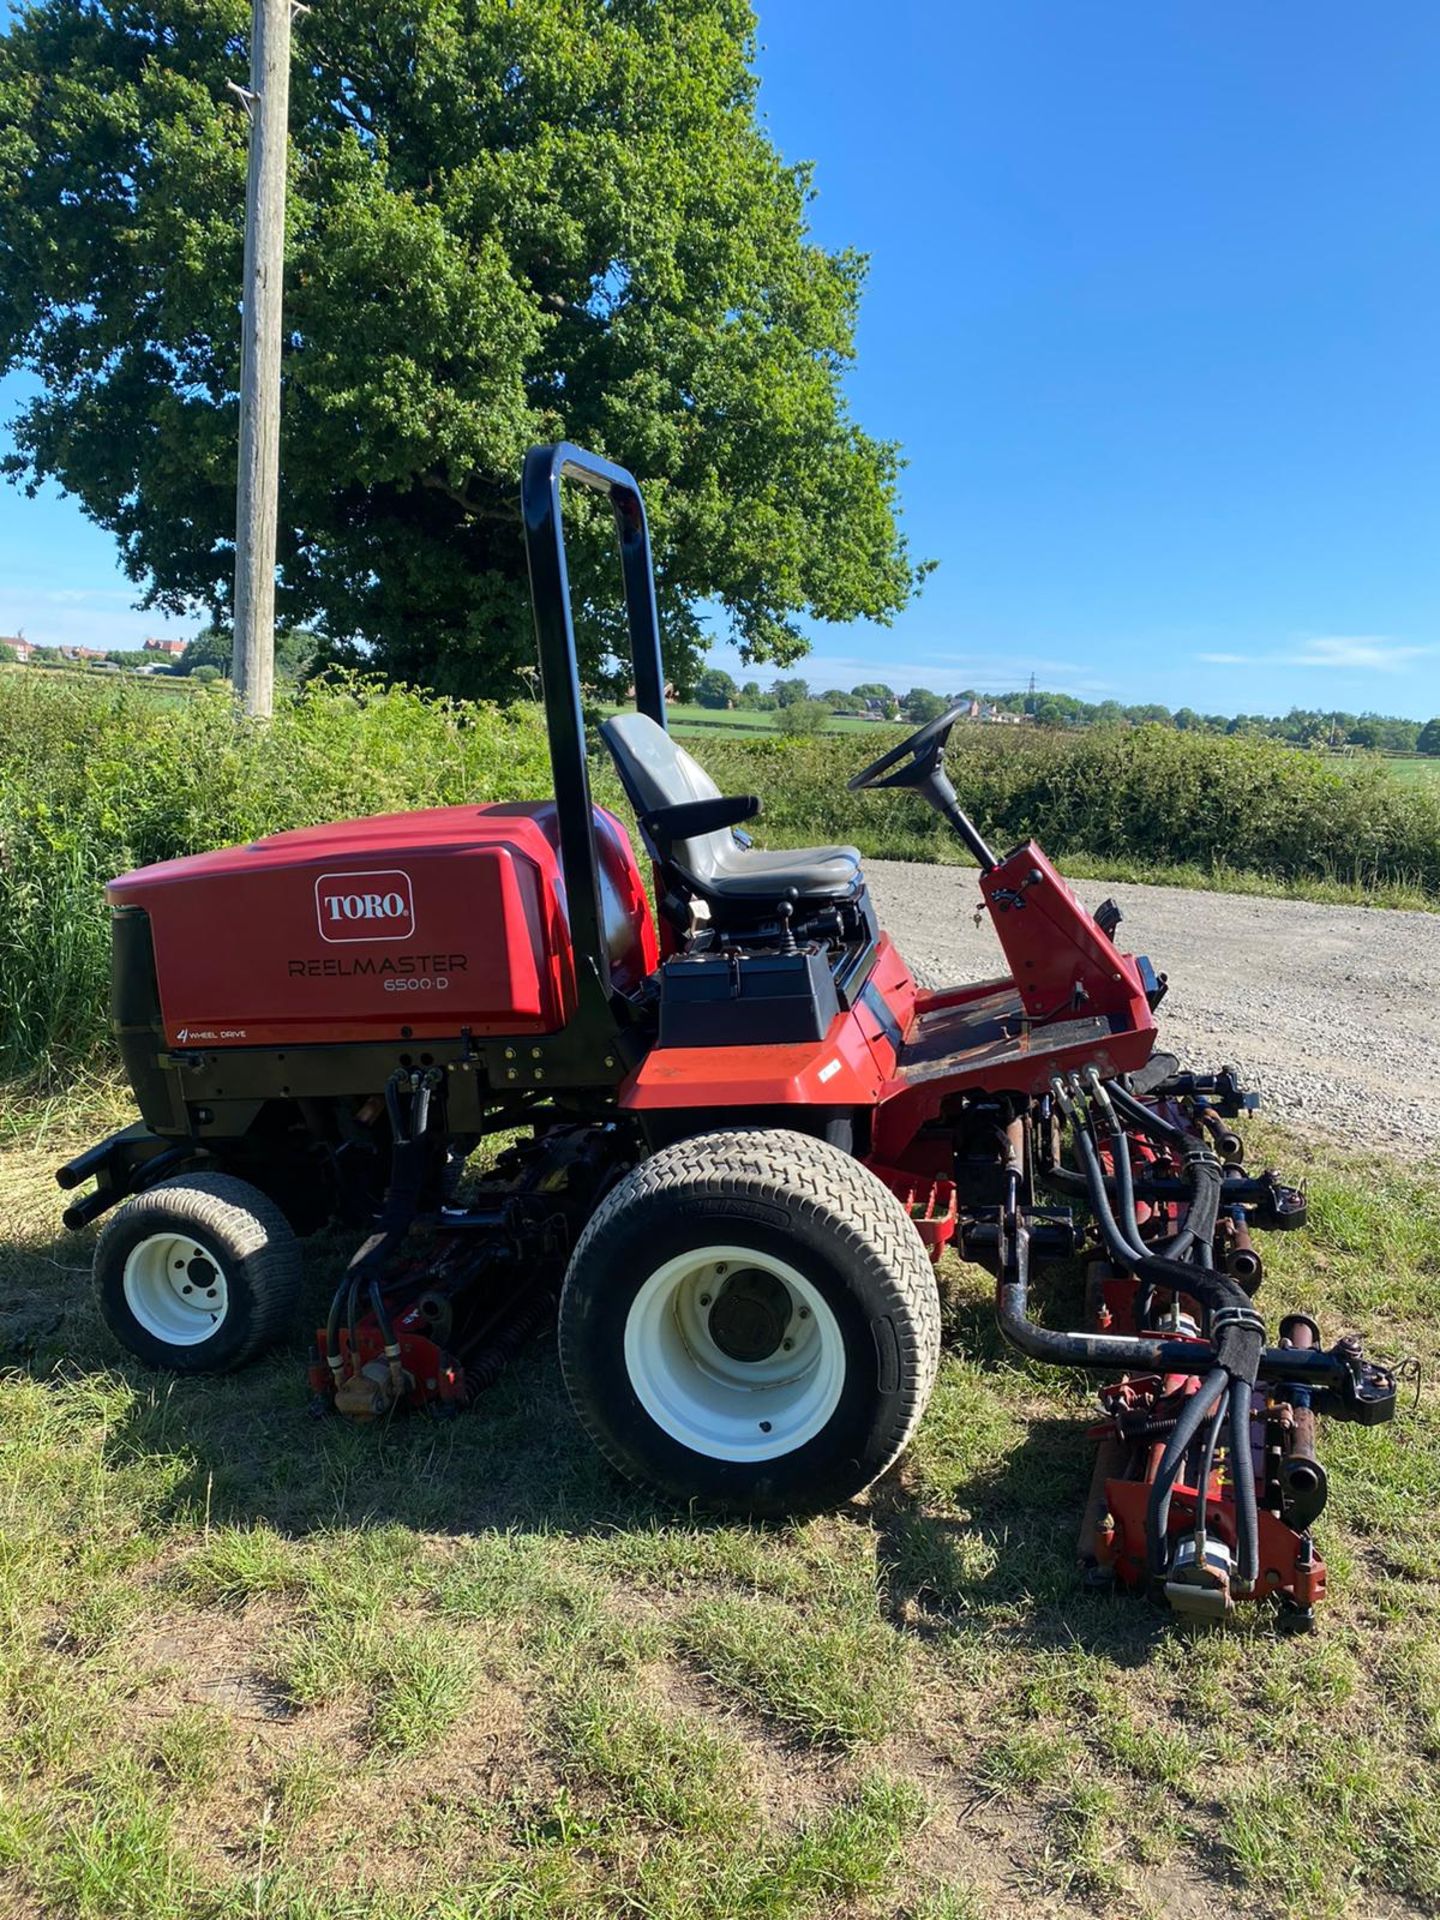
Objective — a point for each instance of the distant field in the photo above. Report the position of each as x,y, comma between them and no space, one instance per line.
160,687
712,720
1414,771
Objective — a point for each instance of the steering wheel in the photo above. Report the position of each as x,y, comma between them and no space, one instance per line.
914,759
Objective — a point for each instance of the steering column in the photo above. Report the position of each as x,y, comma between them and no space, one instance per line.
919,763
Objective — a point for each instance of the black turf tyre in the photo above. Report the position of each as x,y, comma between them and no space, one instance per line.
641,1334
199,1274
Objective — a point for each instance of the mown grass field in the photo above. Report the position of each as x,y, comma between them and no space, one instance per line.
708,720
1414,771
256,1665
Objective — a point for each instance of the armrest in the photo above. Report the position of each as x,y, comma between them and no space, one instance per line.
666,825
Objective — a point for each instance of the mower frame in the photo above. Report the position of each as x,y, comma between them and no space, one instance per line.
910,1119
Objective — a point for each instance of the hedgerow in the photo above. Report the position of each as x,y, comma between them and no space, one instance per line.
98,778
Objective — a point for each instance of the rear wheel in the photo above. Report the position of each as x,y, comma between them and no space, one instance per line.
751,1321
198,1274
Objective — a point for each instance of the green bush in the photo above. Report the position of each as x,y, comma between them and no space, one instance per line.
1142,796
98,776
804,716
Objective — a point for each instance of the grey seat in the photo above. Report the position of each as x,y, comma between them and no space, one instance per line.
656,773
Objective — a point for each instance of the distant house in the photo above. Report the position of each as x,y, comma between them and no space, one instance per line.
22,649
172,648
82,653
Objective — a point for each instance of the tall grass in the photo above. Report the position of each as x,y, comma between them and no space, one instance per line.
96,778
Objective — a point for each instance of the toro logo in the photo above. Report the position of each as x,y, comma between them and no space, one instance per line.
376,905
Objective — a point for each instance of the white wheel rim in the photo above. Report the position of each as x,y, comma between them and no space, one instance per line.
176,1289
725,1407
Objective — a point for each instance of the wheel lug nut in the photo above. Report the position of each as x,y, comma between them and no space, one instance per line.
787,1345
187,1289
704,1299
804,1313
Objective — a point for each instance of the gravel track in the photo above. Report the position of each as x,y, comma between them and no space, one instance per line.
1333,1013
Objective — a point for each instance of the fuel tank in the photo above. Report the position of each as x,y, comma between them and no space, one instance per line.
425,922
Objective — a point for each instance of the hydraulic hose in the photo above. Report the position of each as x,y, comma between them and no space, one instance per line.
1125,1185
1117,1244
1207,1178
1149,1353
1146,1118
1157,1512
333,1357
1207,1467
1242,1472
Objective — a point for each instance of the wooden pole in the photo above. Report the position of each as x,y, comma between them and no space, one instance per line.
258,489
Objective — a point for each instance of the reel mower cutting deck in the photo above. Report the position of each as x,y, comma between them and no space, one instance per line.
742,1136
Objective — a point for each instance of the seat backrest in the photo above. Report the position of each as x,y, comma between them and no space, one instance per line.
655,772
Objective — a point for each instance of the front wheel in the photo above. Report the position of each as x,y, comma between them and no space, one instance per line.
197,1274
750,1321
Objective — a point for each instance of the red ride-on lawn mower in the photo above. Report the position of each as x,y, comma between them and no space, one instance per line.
741,1133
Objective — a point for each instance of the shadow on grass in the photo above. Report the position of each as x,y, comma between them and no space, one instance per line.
982,1541
252,1451
991,1550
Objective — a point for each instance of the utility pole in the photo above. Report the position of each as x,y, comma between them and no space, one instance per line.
257,494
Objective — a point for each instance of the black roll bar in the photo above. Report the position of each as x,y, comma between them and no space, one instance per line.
545,468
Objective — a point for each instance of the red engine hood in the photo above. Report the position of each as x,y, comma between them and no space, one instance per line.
409,925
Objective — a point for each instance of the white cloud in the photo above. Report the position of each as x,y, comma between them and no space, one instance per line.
87,596
1360,653
1364,652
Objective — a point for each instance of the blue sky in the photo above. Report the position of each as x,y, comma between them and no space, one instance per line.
1154,308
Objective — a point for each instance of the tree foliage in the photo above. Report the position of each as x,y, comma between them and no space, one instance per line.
920,705
510,221
803,716
789,693
715,688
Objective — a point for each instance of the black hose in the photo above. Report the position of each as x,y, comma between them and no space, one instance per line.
1207,1467
1142,1116
377,1306
1125,1185
333,1357
1157,1512
1242,1472
1207,1179
352,1317
1120,1249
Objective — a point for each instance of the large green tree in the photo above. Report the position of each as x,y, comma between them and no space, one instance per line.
510,221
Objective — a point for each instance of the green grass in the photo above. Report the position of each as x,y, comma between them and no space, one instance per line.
1414,769
254,1664
702,721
